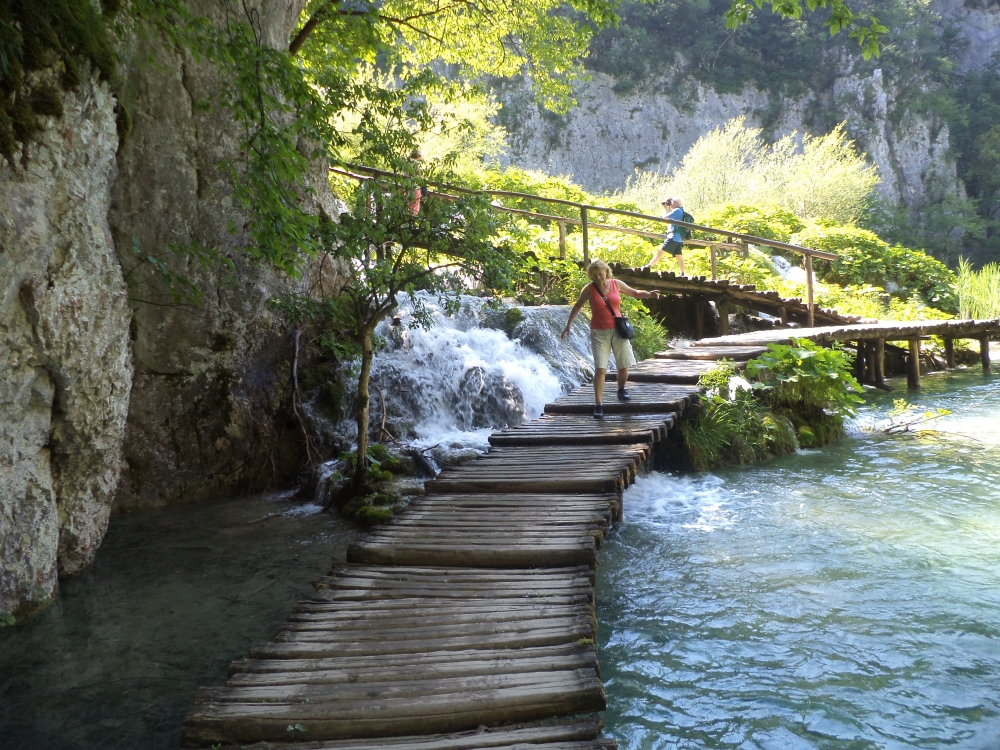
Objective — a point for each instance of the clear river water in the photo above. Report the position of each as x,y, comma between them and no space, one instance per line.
843,598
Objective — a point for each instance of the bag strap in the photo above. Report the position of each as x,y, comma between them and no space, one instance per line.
610,308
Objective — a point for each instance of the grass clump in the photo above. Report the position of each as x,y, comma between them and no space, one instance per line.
978,291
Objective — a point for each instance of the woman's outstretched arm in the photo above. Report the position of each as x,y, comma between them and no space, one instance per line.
584,296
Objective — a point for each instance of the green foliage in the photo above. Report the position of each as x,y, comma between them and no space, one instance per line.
862,27
867,260
804,375
754,268
978,291
761,221
7,619
733,426
36,35
824,178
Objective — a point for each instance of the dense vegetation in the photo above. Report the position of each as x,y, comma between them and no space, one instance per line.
794,58
798,395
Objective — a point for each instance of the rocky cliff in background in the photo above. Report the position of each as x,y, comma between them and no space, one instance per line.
602,141
113,396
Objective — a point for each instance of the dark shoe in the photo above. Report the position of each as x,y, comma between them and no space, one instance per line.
624,395
598,411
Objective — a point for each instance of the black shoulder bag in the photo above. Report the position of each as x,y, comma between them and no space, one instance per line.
622,326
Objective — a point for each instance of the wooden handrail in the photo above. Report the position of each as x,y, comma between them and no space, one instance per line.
804,251
807,253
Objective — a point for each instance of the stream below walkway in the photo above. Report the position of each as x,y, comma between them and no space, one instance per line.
172,598
846,598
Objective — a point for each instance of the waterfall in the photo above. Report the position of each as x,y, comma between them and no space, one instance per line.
447,387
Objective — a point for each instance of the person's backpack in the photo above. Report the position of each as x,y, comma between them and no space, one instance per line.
684,232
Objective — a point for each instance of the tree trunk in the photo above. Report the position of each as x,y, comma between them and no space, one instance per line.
364,408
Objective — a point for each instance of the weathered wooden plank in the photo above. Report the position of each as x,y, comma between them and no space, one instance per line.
488,557
430,659
226,722
322,632
527,484
546,637
536,735
712,353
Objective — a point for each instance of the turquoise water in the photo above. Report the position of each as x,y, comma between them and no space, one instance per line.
843,598
172,598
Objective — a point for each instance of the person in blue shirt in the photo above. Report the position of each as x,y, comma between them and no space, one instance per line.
674,240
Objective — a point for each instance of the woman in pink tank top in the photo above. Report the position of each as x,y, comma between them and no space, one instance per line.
603,338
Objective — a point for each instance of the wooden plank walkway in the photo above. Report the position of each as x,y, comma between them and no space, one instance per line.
468,620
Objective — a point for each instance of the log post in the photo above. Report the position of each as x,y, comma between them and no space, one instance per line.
562,240
712,252
859,362
949,353
586,234
984,351
699,316
878,363
783,314
722,305
809,291
913,365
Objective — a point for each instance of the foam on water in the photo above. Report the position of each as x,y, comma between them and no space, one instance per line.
447,387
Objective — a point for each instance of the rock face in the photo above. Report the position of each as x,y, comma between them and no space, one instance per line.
112,395
210,380
607,137
64,350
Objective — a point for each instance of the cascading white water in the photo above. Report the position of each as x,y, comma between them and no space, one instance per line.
447,387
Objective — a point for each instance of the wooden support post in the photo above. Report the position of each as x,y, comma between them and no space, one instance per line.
913,365
859,362
784,315
949,353
878,363
722,305
712,251
984,351
809,291
699,316
562,240
586,249
680,263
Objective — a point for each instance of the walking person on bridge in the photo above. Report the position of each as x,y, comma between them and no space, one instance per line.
604,295
673,242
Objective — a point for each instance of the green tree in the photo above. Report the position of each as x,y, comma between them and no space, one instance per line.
387,244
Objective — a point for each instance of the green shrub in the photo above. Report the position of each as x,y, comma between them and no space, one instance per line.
867,260
761,221
804,376
733,426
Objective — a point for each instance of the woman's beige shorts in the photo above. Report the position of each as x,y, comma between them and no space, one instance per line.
603,341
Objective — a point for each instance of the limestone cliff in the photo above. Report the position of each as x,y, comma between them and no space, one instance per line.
602,141
207,378
65,354
111,394
607,136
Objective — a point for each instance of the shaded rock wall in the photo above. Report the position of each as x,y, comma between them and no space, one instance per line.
208,416
64,349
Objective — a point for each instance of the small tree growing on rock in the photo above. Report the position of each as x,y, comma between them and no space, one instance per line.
389,243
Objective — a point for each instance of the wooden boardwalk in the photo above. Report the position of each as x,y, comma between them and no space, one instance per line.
468,620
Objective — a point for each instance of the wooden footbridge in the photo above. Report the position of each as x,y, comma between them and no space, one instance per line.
468,621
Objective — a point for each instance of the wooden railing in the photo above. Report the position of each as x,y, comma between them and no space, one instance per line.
732,240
